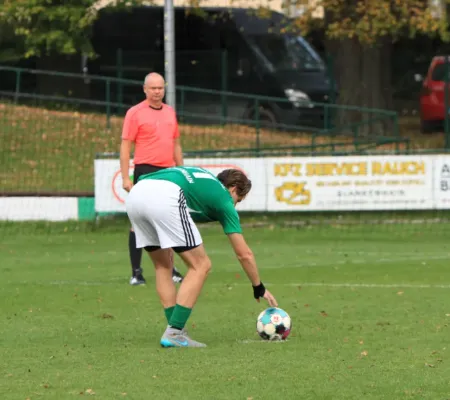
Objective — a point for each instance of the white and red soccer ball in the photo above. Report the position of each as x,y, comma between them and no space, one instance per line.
274,324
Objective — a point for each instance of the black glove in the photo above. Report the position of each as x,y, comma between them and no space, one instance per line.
258,291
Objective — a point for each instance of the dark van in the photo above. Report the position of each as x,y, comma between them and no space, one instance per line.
223,49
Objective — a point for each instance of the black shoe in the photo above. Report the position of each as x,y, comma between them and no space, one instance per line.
176,276
137,278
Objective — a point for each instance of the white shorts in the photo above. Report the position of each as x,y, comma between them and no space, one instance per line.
159,216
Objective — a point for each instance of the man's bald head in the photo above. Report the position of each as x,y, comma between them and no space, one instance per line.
154,89
152,78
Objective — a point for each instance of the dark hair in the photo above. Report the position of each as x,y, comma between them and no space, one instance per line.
235,178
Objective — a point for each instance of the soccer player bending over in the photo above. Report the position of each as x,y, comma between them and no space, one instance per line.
162,208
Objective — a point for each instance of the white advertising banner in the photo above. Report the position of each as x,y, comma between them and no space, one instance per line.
110,197
441,181
415,182
350,183
254,168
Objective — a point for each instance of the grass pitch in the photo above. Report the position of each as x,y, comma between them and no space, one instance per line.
369,307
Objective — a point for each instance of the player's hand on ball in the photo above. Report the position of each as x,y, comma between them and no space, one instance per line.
127,184
270,299
260,291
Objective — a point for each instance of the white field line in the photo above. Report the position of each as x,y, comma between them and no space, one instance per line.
372,285
234,284
249,341
353,285
235,268
330,263
362,253
322,252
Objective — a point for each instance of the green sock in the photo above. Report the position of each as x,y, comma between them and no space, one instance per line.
179,317
169,311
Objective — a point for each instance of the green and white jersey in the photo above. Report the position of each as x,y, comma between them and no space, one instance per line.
207,199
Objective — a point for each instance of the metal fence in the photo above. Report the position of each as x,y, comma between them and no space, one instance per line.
103,94
53,125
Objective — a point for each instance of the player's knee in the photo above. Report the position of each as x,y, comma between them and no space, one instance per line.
165,266
202,265
206,266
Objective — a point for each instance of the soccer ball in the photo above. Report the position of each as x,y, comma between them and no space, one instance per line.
274,324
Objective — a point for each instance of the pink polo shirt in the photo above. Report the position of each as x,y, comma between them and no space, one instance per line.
153,132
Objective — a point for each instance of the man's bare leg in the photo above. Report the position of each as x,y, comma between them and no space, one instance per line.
163,261
199,265
176,275
137,277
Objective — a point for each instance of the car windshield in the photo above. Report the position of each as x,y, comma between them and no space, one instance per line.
283,52
438,74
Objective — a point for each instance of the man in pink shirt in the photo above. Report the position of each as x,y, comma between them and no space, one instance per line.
153,128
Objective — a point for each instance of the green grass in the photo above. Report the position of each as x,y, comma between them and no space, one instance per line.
369,307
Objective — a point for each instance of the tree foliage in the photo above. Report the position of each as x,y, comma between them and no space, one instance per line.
368,21
45,26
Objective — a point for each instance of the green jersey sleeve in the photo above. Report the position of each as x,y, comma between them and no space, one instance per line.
229,219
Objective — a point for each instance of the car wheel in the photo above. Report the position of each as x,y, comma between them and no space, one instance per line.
267,118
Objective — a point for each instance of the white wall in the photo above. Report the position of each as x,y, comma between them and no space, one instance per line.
282,6
38,208
276,5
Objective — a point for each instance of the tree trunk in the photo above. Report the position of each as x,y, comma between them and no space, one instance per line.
363,77
372,93
386,74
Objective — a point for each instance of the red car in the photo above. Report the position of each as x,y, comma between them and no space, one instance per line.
432,95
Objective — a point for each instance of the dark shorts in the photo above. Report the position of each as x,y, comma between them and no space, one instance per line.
143,169
180,249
